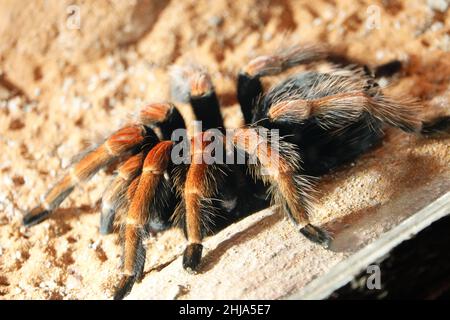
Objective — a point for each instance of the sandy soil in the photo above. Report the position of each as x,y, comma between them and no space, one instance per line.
63,87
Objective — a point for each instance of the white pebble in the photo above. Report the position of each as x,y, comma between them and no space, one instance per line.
379,55
37,92
94,245
18,255
68,82
436,26
438,5
317,22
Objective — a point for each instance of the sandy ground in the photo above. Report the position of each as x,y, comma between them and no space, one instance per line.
64,84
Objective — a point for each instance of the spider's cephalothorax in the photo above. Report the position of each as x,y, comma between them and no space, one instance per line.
324,119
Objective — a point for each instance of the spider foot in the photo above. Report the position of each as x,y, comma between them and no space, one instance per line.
35,216
317,235
124,287
192,256
439,127
388,69
107,221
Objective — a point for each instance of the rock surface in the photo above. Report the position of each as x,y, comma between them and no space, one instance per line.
62,87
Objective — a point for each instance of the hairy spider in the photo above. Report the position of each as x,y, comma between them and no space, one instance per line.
326,119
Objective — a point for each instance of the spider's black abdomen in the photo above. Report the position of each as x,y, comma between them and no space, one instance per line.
321,149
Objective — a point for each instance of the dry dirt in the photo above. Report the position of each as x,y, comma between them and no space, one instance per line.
61,87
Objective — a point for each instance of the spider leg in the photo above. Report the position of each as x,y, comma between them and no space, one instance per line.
277,164
117,145
115,197
387,69
194,85
438,127
200,186
144,203
249,86
121,212
204,102
194,191
340,109
165,116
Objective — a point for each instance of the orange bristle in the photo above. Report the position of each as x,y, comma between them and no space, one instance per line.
125,139
130,249
298,108
194,191
155,164
155,113
130,168
198,145
91,163
132,188
158,158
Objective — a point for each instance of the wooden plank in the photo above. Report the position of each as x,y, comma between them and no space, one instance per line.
344,272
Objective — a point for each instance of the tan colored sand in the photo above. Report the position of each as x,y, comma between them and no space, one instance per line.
61,87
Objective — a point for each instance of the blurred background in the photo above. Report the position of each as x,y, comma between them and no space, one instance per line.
72,70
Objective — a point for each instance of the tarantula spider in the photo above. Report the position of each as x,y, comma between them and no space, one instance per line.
325,119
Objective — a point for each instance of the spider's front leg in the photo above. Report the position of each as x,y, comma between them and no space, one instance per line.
202,181
115,198
149,198
164,116
195,190
117,145
277,163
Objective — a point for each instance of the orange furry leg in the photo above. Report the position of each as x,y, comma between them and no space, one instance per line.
285,58
115,198
201,183
340,109
277,164
193,194
164,116
199,186
155,164
117,145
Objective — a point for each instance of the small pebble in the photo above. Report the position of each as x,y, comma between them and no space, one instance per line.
215,21
438,5
18,255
